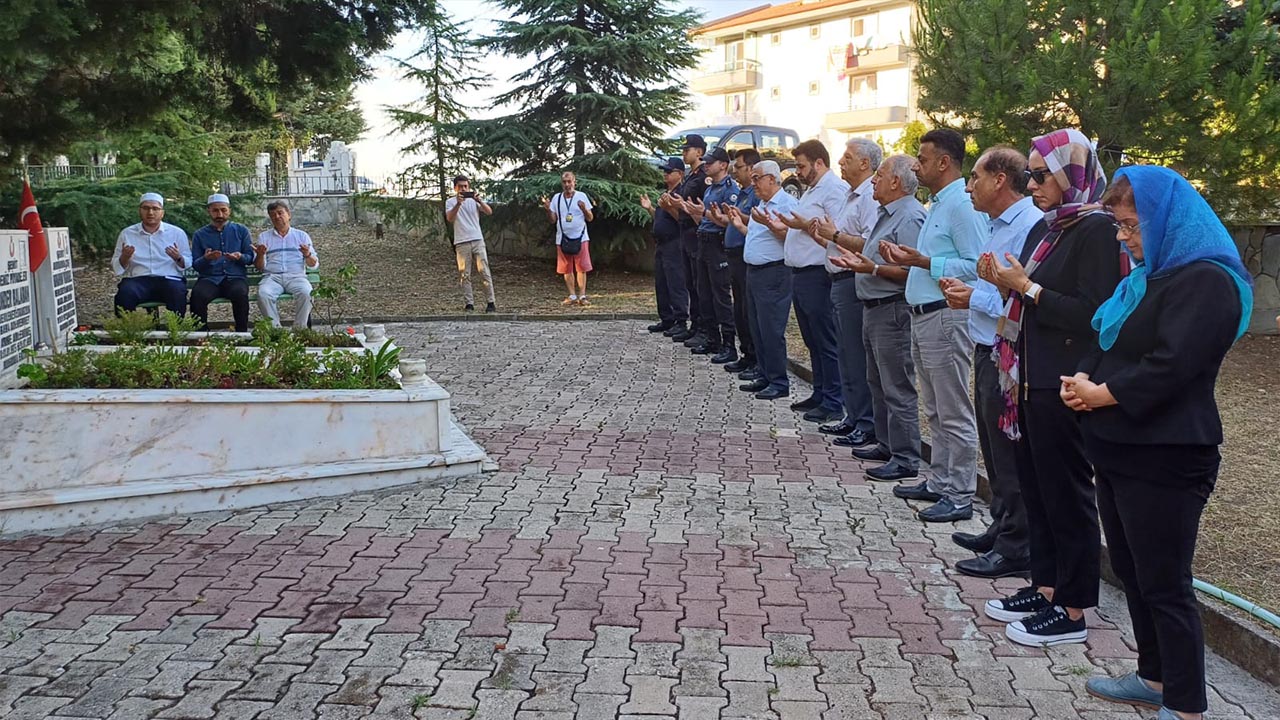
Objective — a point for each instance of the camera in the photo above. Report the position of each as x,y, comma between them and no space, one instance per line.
469,194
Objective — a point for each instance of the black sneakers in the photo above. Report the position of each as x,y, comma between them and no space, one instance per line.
1026,602
491,308
1051,626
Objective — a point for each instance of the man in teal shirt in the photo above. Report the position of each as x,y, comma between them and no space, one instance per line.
950,241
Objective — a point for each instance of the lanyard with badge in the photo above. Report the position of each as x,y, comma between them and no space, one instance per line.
560,200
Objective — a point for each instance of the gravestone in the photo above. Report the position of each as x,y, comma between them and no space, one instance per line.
15,304
55,291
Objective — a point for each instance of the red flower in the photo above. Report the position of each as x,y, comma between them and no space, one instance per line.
351,330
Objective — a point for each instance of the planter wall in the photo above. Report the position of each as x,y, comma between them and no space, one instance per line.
75,457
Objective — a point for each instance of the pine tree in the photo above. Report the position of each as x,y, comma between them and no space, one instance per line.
602,81
1185,83
447,65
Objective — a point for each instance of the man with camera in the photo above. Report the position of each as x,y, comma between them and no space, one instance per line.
463,211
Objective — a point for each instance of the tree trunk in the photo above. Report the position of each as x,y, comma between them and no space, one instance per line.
441,178
579,141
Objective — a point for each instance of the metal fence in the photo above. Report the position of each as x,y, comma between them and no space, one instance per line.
42,174
329,184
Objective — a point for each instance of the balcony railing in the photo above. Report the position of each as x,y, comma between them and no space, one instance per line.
736,76
881,59
867,118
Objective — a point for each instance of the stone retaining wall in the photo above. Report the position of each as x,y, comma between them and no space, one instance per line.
1260,248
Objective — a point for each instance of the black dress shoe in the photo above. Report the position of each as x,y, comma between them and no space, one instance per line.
738,365
659,327
706,348
675,329
974,543
856,439
754,386
945,511
726,355
696,341
874,453
750,374
772,394
843,427
891,472
808,403
821,414
993,565
919,491
683,335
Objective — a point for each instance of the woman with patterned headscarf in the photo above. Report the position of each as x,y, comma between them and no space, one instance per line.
1070,265
1151,427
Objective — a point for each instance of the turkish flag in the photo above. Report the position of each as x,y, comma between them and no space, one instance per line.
29,218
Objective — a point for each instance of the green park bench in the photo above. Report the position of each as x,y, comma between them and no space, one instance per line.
254,278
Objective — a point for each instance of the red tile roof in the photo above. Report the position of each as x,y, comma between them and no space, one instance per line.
771,12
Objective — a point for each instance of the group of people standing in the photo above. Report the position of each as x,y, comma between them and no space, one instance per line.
1092,362
152,258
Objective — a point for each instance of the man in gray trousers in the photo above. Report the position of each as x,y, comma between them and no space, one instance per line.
886,322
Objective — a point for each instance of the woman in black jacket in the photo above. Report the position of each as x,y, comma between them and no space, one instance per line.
1151,425
1070,265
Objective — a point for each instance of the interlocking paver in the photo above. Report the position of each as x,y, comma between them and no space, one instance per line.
653,544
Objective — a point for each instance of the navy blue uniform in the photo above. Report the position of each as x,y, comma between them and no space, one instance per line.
733,247
692,187
714,283
668,269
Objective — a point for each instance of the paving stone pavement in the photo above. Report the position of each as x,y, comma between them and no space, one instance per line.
654,544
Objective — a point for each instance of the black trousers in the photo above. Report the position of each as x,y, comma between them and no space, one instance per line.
999,454
738,281
1057,490
715,288
234,289
668,282
1150,498
689,253
134,291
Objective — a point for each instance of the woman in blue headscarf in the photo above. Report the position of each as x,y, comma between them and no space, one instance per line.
1151,426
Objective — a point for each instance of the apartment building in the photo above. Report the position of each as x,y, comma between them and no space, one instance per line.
830,69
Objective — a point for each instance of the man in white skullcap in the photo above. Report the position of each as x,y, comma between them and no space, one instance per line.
150,258
223,253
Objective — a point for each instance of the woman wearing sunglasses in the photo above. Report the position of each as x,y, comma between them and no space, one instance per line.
1151,427
1070,265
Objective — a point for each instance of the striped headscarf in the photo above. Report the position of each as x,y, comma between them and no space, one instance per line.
1073,160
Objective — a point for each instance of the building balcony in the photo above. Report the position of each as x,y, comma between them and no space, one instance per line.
738,76
883,58
867,118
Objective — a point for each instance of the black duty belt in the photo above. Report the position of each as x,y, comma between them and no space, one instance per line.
809,268
709,236
844,275
762,266
928,308
877,302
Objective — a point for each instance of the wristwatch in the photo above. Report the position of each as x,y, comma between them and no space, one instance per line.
875,270
1033,292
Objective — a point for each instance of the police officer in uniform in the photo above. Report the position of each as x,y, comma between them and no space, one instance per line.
714,277
668,259
694,185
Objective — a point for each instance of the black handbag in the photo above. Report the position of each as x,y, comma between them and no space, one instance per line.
568,245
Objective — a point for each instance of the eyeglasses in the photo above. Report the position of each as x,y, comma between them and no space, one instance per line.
1127,229
1037,175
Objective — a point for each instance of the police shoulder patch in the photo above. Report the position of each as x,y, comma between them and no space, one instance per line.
733,197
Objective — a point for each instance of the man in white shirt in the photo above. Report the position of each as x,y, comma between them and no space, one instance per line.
150,258
811,281
858,165
570,211
283,255
463,210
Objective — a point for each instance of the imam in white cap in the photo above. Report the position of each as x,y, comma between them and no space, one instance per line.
218,198
152,197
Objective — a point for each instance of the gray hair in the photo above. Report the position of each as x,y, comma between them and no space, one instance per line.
1007,160
279,204
901,167
770,168
868,149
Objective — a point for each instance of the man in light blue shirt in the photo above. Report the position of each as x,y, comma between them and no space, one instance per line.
997,186
953,235
150,259
283,255
768,280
